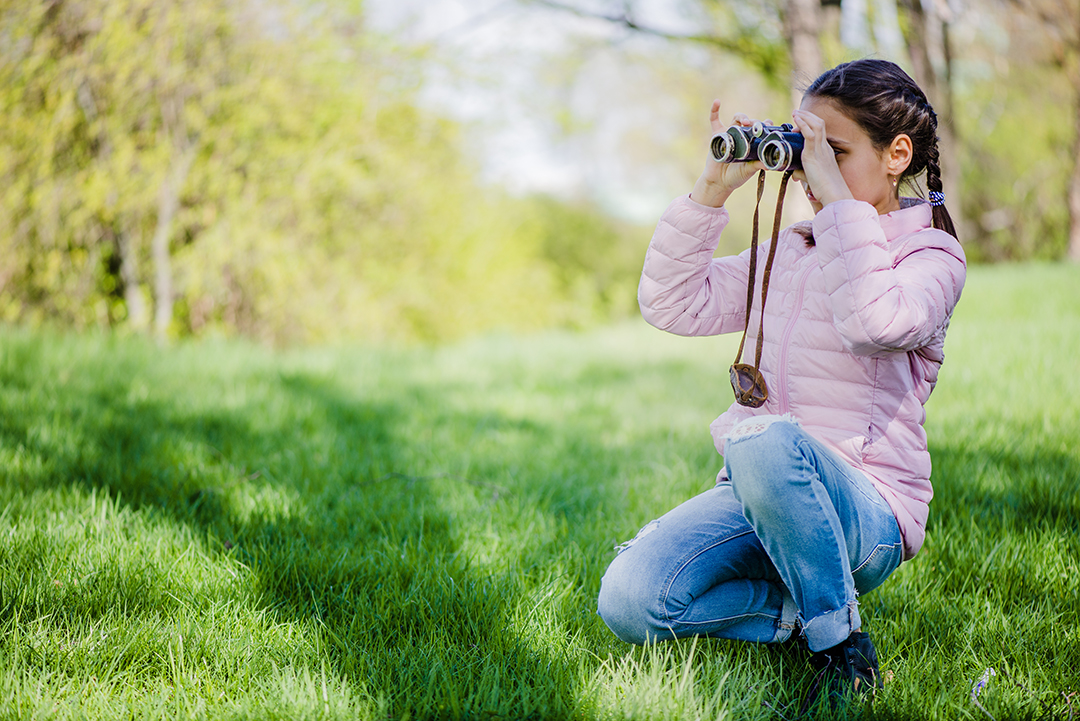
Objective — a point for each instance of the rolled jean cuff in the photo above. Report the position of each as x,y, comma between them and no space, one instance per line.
832,627
789,613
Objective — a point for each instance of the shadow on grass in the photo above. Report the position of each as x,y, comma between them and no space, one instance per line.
352,543
995,584
1018,488
339,507
1003,522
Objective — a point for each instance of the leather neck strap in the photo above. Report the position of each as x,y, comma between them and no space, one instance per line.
768,265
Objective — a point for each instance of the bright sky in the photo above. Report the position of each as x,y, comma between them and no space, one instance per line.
514,64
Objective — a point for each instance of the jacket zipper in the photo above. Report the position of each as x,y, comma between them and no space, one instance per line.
784,408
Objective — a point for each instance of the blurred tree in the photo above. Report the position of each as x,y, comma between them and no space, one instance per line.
124,94
803,26
1017,111
261,167
1060,21
742,36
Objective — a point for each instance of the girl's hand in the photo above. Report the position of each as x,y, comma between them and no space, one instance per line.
719,180
820,169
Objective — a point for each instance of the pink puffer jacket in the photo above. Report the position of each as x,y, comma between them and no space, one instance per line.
854,329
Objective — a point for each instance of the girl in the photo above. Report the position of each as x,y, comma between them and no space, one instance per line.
825,486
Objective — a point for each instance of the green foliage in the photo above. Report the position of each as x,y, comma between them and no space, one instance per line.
106,97
753,32
214,530
313,199
593,265
1016,166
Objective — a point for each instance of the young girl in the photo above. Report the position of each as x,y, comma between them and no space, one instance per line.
825,486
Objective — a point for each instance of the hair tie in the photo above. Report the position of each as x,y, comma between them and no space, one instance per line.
937,198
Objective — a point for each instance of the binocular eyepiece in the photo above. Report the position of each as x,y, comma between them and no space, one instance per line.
778,147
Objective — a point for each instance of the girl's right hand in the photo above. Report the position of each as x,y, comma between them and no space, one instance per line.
719,180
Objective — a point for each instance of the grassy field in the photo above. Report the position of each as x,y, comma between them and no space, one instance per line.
214,530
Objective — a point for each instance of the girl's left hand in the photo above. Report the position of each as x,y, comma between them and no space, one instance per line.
820,169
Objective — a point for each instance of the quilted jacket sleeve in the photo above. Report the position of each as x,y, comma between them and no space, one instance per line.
886,299
683,289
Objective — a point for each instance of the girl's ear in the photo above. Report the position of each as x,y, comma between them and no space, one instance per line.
898,154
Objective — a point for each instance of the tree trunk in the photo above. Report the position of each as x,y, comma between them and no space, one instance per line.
929,36
887,35
803,25
1074,183
1073,65
137,316
854,30
168,204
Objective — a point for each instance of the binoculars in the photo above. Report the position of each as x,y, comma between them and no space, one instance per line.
778,147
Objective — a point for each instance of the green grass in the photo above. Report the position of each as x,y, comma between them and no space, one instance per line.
214,530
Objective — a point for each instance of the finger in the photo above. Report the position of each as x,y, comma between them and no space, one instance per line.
802,126
742,119
714,117
808,123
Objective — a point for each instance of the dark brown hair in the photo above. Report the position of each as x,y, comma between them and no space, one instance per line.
885,102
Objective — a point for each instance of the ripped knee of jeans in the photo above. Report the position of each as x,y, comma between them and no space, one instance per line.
645,530
753,427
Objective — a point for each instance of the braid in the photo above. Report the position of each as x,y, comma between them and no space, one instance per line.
933,169
942,219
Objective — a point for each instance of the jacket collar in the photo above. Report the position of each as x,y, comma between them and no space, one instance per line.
914,215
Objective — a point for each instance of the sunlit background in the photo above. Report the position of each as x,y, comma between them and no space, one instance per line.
296,171
324,393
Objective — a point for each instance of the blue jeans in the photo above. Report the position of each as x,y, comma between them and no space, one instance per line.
794,534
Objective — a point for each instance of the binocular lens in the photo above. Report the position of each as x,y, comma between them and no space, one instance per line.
782,151
773,156
722,147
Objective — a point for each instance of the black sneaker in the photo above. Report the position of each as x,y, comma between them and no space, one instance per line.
847,669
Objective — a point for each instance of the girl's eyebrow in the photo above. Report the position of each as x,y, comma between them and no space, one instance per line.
836,141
